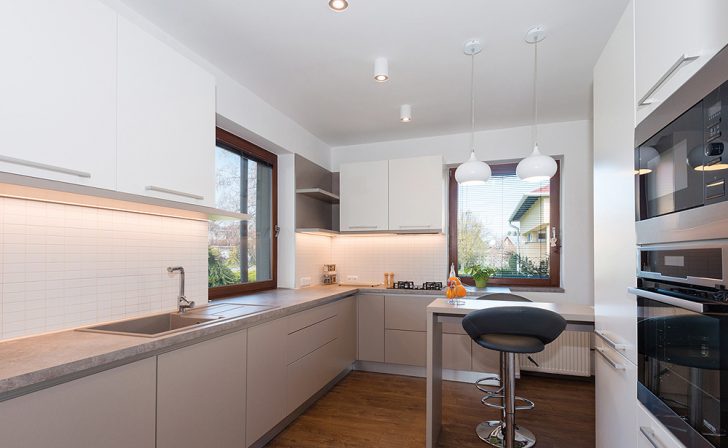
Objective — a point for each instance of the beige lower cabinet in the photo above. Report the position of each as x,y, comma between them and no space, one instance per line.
110,409
266,378
201,394
405,336
347,332
370,327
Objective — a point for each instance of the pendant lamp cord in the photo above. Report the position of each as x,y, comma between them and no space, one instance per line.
535,93
472,102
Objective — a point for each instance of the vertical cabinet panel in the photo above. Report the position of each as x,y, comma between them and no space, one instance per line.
364,192
370,327
113,409
347,332
166,121
615,265
58,90
266,378
416,194
201,394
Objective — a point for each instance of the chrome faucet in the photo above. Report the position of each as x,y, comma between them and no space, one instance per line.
182,303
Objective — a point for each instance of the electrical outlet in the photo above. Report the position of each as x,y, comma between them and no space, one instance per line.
305,281
352,278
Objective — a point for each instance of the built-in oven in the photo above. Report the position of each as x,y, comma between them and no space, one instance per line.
682,334
685,164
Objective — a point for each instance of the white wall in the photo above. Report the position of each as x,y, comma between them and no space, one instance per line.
571,140
65,266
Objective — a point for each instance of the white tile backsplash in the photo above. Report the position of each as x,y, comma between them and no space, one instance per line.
418,258
63,266
312,252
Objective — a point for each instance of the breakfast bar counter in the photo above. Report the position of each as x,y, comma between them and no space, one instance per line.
579,318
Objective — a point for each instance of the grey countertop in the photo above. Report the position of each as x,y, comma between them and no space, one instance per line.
39,361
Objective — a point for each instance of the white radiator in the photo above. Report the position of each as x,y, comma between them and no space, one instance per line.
569,354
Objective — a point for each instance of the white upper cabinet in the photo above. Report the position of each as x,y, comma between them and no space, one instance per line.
668,30
401,195
166,121
58,90
416,194
364,193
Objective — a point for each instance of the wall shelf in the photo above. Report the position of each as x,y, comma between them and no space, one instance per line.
319,232
319,194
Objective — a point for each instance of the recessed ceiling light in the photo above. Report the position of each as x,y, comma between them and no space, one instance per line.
405,113
381,70
338,5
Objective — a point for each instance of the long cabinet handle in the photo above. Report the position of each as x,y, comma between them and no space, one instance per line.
651,436
615,365
646,100
669,300
603,334
175,192
415,227
43,166
363,227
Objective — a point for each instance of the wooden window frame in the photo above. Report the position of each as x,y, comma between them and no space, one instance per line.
554,280
234,143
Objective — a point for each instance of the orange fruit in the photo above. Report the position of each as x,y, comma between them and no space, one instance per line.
460,291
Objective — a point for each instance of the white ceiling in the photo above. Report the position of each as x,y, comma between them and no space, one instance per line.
315,65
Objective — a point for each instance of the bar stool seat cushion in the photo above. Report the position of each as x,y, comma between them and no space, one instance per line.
514,329
511,343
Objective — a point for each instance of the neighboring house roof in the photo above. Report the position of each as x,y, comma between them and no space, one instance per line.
528,200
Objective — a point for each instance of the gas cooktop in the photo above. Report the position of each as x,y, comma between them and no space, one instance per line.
427,286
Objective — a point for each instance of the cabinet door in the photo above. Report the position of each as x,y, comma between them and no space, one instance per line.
347,332
666,30
406,347
201,394
614,118
416,194
113,409
58,91
364,196
266,378
456,354
616,399
166,121
652,433
370,327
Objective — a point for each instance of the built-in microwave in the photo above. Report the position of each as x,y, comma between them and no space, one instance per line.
685,164
682,339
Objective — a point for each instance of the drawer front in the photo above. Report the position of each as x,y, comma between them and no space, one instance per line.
405,312
308,339
309,374
652,434
456,352
616,398
307,318
405,347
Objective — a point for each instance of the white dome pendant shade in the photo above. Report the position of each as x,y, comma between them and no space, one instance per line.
536,167
473,171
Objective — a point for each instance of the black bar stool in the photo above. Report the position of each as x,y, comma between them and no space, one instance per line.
510,330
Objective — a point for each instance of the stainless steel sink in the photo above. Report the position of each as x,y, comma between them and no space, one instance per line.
163,324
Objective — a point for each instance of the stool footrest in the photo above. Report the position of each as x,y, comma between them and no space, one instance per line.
482,387
528,406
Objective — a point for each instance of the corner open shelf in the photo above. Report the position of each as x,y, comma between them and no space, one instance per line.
319,194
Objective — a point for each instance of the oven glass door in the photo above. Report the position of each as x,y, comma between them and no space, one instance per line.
680,363
668,167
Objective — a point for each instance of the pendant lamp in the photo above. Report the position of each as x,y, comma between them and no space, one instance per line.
473,171
537,167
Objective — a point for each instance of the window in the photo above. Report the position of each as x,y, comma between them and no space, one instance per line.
509,225
241,254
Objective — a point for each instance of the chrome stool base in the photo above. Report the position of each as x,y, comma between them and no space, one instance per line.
491,432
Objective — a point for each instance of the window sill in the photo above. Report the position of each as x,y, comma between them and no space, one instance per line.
552,289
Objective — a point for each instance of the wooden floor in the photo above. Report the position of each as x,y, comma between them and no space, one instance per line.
375,410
